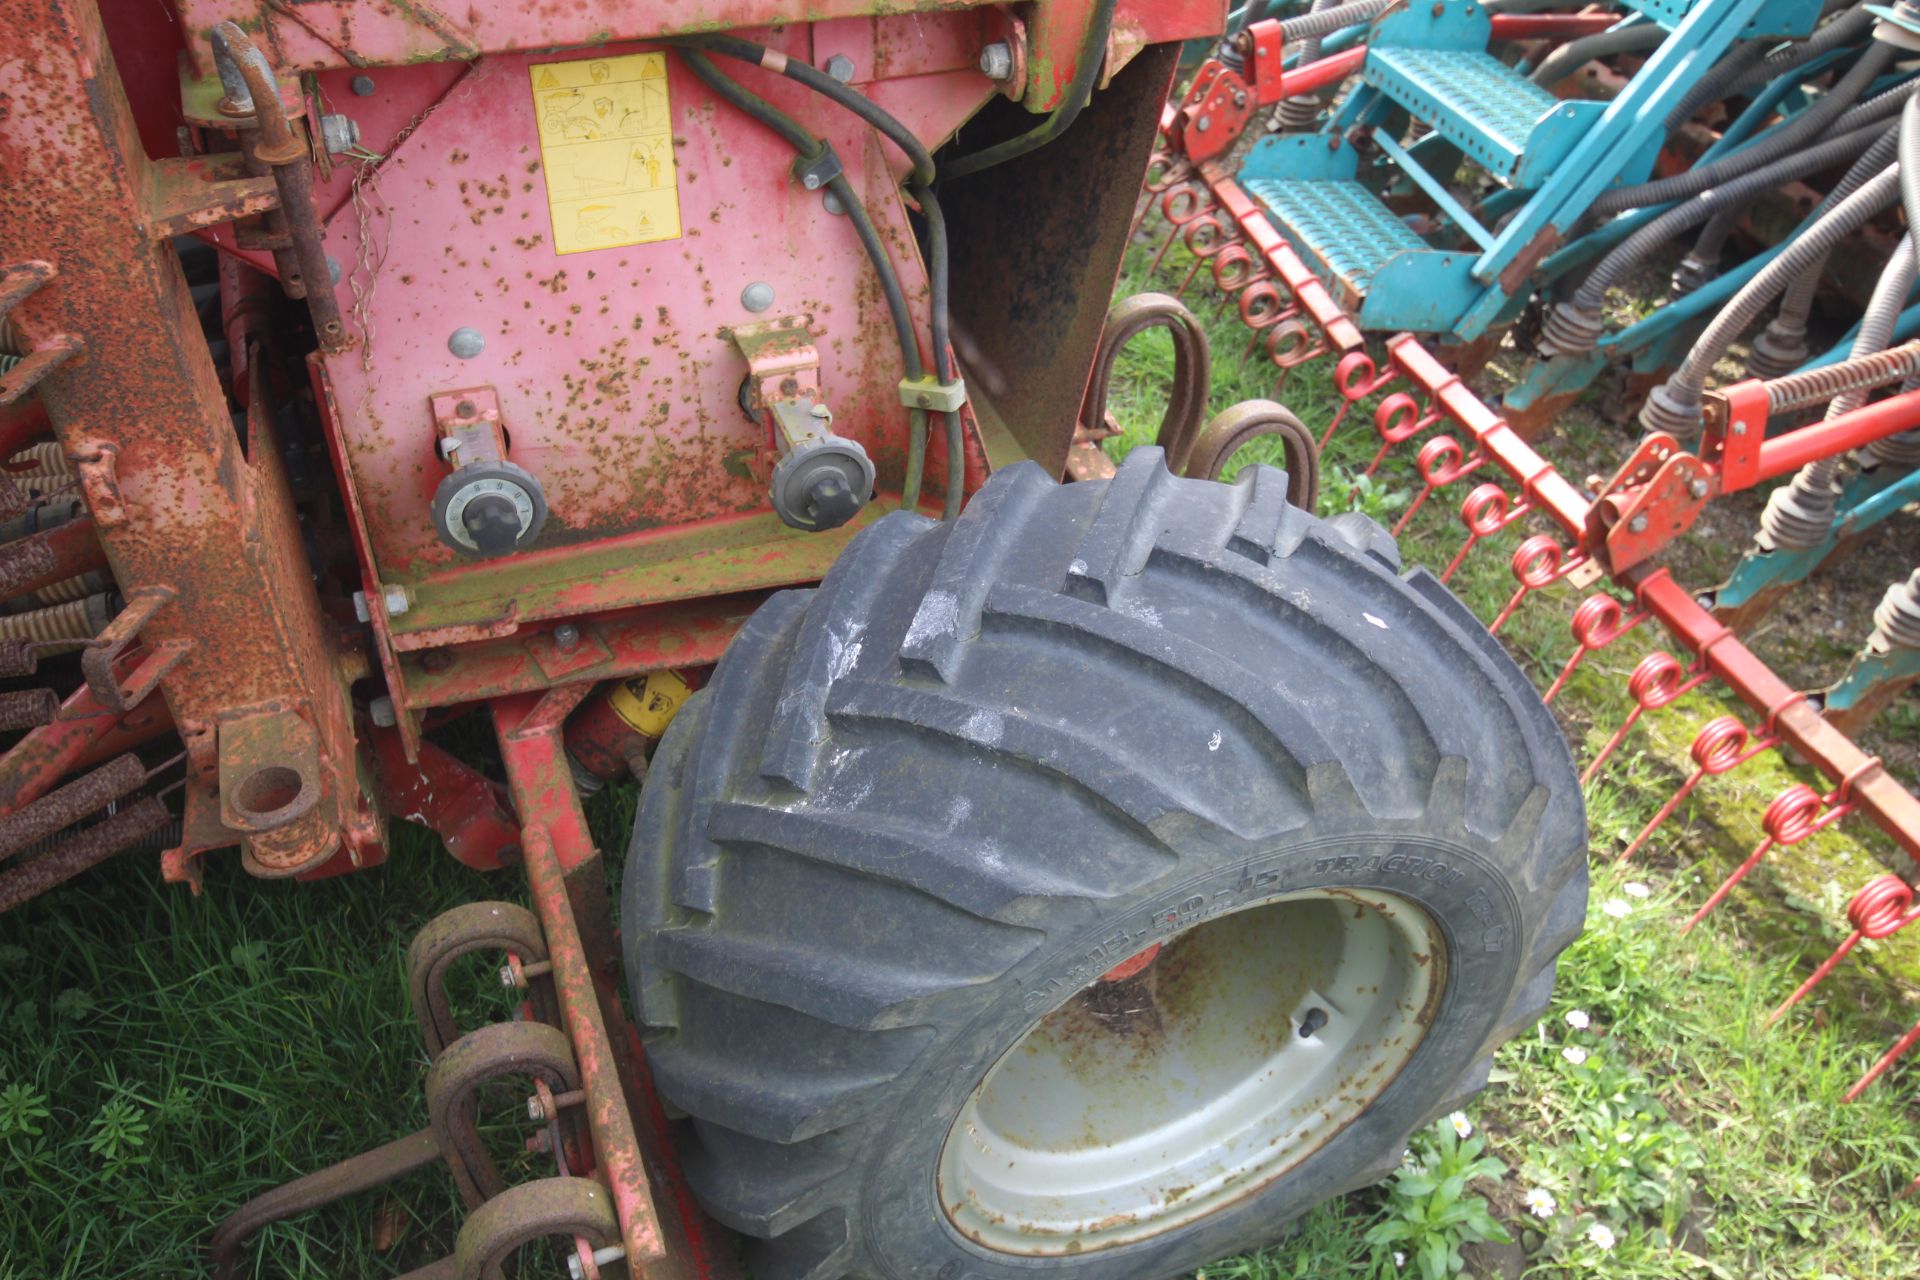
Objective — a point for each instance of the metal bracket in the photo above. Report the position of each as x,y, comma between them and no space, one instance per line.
928,392
783,366
104,651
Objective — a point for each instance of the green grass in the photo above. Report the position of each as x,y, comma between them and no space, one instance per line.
163,1057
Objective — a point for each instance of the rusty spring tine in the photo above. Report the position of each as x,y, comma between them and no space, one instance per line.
1232,428
1887,1059
68,804
1538,563
115,834
1441,461
1720,747
472,927
28,708
1485,512
1192,368
363,1172
1880,908
1794,815
1657,680
495,1231
453,1083
18,658
1597,623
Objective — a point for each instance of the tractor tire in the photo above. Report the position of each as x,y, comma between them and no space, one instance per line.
1091,885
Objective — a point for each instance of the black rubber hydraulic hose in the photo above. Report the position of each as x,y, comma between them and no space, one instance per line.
1079,92
1803,128
1573,55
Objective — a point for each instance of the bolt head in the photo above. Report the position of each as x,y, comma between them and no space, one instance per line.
362,86
566,636
1204,123
1739,428
536,1112
338,133
360,609
382,712
1698,488
811,182
508,978
840,67
466,342
757,296
397,601
1637,525
996,61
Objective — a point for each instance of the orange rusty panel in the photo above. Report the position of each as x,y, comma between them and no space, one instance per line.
617,384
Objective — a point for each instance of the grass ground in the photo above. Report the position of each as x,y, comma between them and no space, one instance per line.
162,1057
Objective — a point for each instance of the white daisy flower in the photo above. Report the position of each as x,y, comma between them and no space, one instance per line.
1574,1053
1461,1125
1578,1020
1540,1203
1634,889
1399,1259
1601,1235
1617,908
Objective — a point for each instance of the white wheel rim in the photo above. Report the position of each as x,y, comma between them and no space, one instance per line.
1140,1106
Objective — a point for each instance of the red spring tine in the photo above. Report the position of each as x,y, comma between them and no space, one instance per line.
1658,680
1486,511
1536,563
1181,205
1718,748
1206,235
1794,815
1440,462
1880,908
1396,419
1356,377
1234,268
1887,1059
1597,623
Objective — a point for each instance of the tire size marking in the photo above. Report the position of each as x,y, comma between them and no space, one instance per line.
1398,864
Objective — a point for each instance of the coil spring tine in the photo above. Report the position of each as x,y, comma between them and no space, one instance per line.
1720,747
1794,815
1880,908
1597,623
1887,1059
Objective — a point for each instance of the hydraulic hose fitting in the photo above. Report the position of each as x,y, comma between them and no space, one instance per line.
1799,514
1691,274
1780,348
1570,329
1896,621
1668,411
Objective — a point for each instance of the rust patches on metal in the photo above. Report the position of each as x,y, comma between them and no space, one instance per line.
67,805
28,708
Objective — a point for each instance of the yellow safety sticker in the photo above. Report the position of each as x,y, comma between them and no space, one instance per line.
649,704
606,143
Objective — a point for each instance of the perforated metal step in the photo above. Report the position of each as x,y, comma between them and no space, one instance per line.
1469,97
1339,227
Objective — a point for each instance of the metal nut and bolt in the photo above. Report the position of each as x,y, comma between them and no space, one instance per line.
537,1109
1637,525
996,61
1698,488
1204,123
362,86
840,67
382,712
338,133
566,637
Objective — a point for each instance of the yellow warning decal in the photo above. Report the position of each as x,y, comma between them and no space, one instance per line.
649,704
606,142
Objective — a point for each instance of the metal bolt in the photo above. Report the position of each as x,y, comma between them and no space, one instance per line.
566,636
1739,428
1206,123
362,86
466,342
536,1112
811,182
360,609
601,1257
333,270
757,296
840,67
1698,488
1239,97
1312,1021
996,61
338,133
1637,525
381,709
397,600
832,201
509,978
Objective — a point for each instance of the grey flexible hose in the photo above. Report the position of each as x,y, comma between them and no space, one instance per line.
1800,513
1675,404
1573,55
1782,346
1910,162
1806,126
1298,114
1575,325
1701,263
1324,22
1842,31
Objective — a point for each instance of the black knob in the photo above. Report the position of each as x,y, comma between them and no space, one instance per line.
830,502
492,522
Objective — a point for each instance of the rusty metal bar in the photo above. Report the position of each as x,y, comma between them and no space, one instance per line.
563,867
42,559
88,848
363,1172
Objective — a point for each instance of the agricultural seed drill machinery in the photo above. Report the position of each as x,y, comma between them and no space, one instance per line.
1448,191
1092,876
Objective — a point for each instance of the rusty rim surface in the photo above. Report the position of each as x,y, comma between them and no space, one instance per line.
1145,1103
